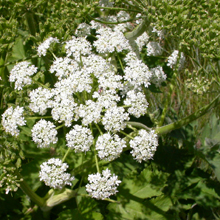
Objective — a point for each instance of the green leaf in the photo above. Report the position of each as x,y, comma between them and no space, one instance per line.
147,184
134,210
85,204
18,51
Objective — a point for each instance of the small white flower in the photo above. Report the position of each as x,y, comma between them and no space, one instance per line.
77,47
42,48
102,186
137,102
90,112
79,138
154,49
53,174
11,118
158,76
172,60
20,74
63,67
144,145
109,146
136,72
40,100
44,133
114,119
142,40
110,41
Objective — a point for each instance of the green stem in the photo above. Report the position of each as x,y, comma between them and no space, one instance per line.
166,106
138,125
132,36
32,195
97,163
138,31
67,152
127,135
188,119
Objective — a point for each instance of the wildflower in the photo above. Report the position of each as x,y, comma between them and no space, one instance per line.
44,133
90,112
11,118
136,72
102,186
20,74
39,100
137,102
63,67
53,174
115,119
109,146
144,145
79,138
42,48
154,49
158,75
142,40
110,41
77,47
172,60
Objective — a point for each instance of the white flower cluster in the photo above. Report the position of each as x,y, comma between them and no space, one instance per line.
142,40
136,72
115,119
109,146
110,41
79,138
173,58
137,102
154,49
44,133
144,145
102,186
20,74
90,112
42,48
64,67
77,47
11,118
53,174
40,100
158,76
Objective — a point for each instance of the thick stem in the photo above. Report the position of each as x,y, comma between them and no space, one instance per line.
32,195
188,119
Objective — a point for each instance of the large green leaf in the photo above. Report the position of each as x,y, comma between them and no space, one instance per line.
136,210
147,184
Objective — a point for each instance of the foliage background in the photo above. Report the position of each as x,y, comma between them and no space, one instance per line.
182,182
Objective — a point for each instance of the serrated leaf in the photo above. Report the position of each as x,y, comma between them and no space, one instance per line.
139,210
147,184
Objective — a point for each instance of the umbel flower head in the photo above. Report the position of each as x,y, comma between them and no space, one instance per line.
11,118
44,133
20,74
53,174
144,145
102,186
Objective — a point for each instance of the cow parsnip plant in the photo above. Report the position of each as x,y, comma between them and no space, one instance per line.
87,127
